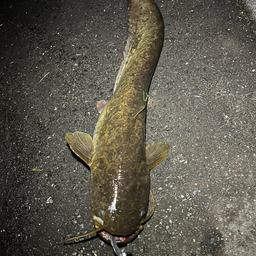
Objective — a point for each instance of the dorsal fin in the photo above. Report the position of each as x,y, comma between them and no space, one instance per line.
132,23
145,31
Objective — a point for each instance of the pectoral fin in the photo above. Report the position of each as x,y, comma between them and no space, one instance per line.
156,153
81,144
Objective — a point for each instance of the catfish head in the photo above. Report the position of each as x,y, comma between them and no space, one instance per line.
119,201
119,197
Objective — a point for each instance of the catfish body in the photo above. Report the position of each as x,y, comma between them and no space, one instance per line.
120,162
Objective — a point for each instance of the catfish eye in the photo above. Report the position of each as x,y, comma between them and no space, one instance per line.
142,213
101,213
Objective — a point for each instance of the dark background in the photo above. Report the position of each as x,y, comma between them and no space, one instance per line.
58,58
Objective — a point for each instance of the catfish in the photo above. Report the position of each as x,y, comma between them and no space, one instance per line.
118,158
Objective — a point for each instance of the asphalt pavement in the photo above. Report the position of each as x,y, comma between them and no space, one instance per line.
59,58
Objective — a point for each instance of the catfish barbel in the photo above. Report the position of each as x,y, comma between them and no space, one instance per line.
119,160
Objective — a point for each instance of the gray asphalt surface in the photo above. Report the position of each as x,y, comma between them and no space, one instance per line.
250,6
58,58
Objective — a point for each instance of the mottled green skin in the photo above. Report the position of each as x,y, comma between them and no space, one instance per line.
120,178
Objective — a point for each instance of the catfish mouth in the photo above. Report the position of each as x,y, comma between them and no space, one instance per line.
120,240
117,238
108,237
